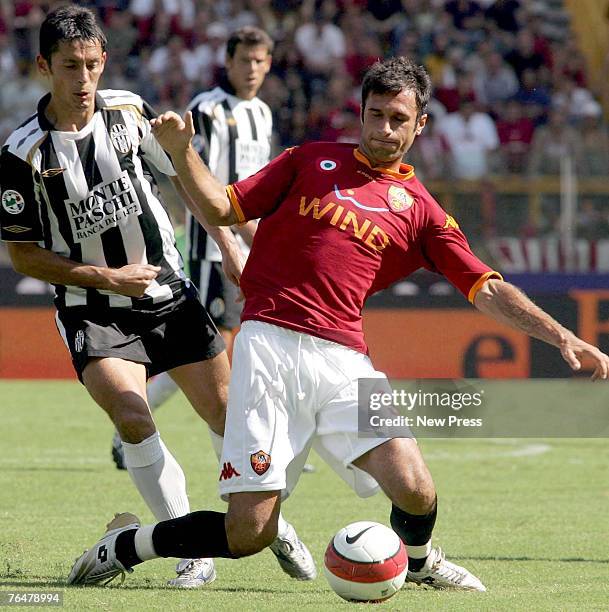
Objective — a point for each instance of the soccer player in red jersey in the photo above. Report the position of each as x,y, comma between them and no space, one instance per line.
338,223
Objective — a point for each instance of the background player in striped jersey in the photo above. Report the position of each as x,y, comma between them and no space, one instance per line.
80,209
233,137
338,223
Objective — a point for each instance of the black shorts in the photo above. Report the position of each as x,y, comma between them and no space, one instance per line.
217,293
160,340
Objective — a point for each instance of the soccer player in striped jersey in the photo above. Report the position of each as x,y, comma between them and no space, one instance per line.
233,137
338,222
79,208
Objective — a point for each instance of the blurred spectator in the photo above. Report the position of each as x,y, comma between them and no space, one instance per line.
122,36
8,63
451,97
385,14
429,153
524,56
471,139
534,97
322,47
496,82
462,11
552,143
363,52
571,99
515,132
437,62
504,14
594,141
19,95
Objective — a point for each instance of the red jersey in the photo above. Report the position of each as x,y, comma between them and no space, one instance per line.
334,230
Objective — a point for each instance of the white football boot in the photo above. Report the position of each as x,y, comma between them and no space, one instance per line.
442,574
294,557
193,573
99,565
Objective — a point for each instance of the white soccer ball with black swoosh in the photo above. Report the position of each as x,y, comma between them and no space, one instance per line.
366,561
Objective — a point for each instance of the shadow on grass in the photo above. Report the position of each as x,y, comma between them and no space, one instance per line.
557,560
48,583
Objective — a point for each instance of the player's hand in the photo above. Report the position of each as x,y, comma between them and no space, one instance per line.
173,132
574,351
232,262
132,280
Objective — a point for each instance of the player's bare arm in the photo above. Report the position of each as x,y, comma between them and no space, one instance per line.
208,195
232,257
30,259
247,231
507,304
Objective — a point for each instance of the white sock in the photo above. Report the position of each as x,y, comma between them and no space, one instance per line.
158,477
144,548
419,552
160,389
216,442
283,527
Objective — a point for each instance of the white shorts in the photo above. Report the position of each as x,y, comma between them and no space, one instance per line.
290,392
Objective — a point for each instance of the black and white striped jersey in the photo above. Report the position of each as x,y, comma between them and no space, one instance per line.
233,137
90,196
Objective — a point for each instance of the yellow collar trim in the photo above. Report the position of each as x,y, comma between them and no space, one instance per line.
407,171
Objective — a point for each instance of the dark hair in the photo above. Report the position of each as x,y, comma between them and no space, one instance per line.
250,36
69,23
394,75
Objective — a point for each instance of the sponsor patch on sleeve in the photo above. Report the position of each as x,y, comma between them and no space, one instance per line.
12,202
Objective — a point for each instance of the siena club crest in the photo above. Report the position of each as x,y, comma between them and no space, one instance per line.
260,462
120,138
399,199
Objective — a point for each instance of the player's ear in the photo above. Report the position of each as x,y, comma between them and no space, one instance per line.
421,124
43,66
104,56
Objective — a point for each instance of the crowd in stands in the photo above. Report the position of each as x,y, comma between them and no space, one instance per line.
511,91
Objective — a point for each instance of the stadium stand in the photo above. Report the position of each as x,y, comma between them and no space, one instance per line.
514,67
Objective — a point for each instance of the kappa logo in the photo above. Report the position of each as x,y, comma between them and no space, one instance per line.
228,471
450,222
120,138
260,462
399,199
12,202
79,340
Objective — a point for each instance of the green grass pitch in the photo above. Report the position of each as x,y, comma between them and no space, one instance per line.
529,517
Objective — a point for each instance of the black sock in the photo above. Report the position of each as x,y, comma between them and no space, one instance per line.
125,548
414,529
196,535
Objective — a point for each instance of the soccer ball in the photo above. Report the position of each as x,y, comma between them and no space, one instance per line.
366,561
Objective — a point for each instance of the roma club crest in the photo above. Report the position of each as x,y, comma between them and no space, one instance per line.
399,199
260,462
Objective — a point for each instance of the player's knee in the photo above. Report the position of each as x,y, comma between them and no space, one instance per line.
133,426
249,537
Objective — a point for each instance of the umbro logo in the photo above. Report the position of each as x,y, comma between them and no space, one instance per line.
17,229
51,172
228,471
